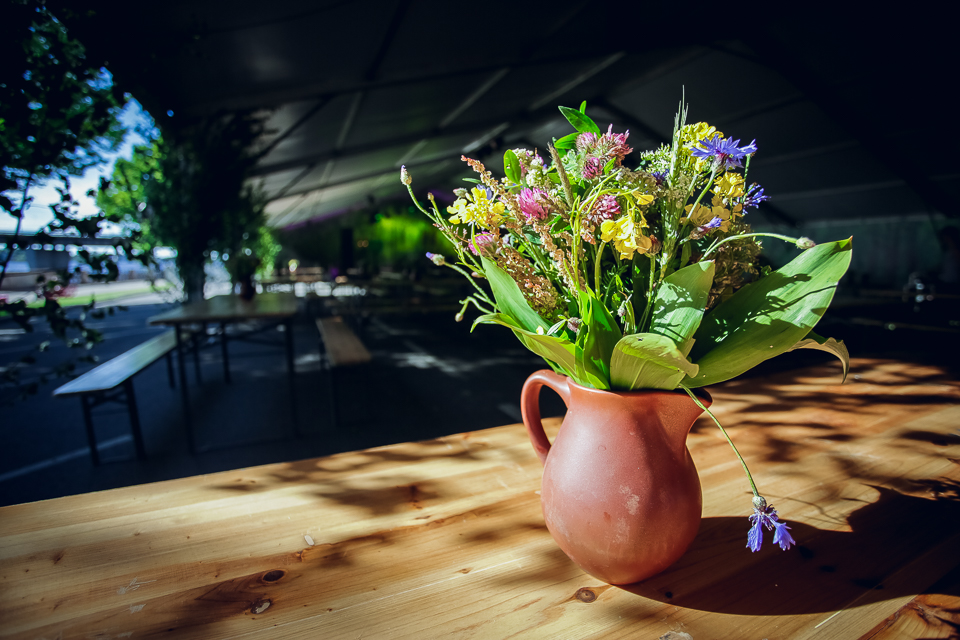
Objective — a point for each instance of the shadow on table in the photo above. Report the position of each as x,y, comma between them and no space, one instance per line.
880,559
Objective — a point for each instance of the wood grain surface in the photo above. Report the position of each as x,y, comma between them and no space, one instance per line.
445,539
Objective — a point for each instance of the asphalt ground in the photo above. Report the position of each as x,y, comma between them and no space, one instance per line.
429,377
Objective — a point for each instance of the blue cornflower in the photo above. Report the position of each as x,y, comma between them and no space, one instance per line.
754,196
713,224
726,152
766,516
660,176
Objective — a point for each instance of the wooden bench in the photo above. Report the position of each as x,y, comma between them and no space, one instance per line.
116,375
339,347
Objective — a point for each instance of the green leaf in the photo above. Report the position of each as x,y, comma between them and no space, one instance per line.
580,121
680,302
596,340
511,167
510,299
648,361
557,351
583,107
830,345
568,141
768,317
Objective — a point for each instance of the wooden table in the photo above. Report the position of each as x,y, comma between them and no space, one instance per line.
225,310
445,539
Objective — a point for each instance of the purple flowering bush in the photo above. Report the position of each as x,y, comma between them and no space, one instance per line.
641,278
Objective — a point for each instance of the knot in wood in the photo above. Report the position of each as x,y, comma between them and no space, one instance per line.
586,595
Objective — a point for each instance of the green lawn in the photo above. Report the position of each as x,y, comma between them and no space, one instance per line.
103,296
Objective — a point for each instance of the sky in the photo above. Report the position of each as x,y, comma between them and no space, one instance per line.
38,213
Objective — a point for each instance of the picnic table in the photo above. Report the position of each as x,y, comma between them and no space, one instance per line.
224,310
445,538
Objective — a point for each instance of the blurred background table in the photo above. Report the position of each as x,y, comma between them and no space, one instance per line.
445,538
276,308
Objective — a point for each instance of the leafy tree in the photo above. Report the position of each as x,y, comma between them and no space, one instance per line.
199,201
58,116
123,199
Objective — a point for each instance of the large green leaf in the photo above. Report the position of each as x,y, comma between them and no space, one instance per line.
568,141
768,317
596,340
511,167
556,350
680,302
510,299
648,361
580,121
830,345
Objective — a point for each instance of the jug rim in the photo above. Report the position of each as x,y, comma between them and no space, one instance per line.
700,392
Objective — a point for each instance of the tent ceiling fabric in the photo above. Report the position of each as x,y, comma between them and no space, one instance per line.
845,111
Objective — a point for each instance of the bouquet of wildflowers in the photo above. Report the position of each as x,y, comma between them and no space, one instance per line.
643,278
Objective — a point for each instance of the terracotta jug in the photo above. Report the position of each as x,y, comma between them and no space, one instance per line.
620,495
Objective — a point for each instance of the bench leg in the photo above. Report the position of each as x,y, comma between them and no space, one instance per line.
88,422
134,420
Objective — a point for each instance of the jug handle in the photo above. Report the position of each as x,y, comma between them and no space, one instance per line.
530,406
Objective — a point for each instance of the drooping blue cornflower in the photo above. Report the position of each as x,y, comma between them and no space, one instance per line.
765,515
726,152
754,196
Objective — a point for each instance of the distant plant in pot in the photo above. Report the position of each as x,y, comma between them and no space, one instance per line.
638,287
242,267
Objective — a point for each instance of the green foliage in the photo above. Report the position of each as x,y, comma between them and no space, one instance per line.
580,120
648,361
58,108
58,116
768,317
678,308
123,198
596,340
828,345
198,201
511,299
384,236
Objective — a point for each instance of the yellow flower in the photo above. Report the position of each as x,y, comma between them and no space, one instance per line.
476,208
704,214
697,132
729,186
626,237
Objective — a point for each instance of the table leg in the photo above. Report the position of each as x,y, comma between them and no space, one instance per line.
184,393
196,350
288,330
223,349
170,376
88,422
134,420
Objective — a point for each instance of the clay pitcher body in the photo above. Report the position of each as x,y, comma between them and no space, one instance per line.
620,494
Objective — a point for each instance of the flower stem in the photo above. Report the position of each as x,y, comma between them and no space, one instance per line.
717,245
483,294
596,267
753,486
